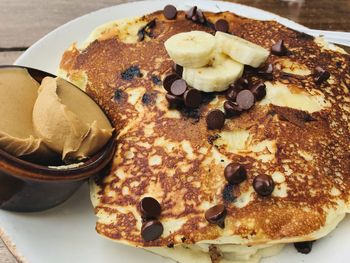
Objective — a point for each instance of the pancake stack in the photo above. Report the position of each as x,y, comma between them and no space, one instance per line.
171,188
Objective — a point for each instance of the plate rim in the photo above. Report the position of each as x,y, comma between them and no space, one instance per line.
9,244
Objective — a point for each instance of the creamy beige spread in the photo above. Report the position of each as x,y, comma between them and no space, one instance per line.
18,92
54,118
67,122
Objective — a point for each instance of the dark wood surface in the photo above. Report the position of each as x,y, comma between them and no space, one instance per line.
24,22
316,14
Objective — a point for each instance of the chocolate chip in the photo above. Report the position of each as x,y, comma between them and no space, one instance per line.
192,12
174,101
231,93
146,30
232,109
183,239
263,185
215,119
199,17
266,72
222,25
269,69
304,247
196,15
245,99
141,35
178,69
216,215
321,75
279,49
151,24
150,208
169,80
170,12
235,173
131,72
234,88
193,98
259,91
151,230
243,83
178,87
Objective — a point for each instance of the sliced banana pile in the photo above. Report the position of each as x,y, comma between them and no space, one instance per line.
212,63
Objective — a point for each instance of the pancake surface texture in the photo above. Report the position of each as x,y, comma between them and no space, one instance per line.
298,134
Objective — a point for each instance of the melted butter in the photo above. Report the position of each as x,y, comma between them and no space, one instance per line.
280,94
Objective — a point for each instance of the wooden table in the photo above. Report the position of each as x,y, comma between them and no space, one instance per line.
24,22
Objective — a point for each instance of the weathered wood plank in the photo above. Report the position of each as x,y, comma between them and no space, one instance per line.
24,22
7,58
5,255
316,14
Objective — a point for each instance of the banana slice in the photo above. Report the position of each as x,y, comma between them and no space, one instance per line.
216,77
191,49
241,50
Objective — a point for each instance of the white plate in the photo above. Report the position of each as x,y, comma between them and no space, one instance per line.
67,233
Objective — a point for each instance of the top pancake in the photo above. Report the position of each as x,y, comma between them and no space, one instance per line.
299,134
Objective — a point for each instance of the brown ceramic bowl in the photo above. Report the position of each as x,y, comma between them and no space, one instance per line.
29,187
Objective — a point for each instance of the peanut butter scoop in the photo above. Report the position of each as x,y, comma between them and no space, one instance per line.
68,121
18,92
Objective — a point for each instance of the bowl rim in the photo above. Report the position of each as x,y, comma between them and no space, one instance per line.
27,170
47,74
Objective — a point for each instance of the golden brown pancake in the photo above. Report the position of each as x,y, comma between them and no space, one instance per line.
299,135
